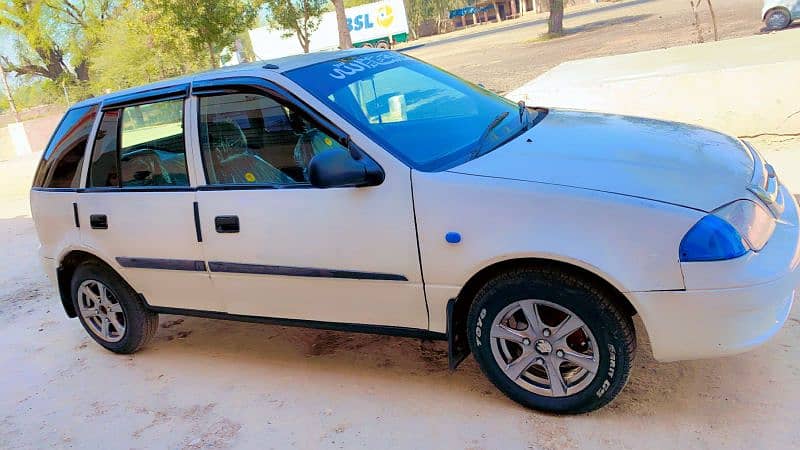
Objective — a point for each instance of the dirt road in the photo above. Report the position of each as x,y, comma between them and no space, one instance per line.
212,384
504,58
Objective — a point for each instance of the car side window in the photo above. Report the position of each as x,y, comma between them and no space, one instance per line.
253,139
61,161
141,146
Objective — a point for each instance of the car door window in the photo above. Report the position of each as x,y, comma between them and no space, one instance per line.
252,139
140,146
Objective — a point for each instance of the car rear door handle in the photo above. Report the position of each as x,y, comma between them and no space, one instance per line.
98,221
226,224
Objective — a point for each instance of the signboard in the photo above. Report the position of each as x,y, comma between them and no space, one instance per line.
366,22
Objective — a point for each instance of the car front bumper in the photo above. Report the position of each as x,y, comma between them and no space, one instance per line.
728,307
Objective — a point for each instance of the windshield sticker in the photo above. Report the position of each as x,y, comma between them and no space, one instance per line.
348,67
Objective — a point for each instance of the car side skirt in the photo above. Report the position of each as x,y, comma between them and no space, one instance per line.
334,326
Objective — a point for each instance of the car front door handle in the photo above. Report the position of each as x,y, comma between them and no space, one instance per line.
98,221
226,224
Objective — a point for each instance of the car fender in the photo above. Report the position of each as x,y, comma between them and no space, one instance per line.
629,242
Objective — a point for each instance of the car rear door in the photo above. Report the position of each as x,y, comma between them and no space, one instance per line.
137,210
277,246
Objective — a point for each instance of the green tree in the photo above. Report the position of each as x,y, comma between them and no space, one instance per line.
141,47
417,12
54,37
299,17
30,25
209,25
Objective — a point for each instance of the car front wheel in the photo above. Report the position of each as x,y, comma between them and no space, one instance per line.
551,341
110,311
777,19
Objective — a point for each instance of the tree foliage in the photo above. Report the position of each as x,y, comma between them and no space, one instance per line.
141,47
299,17
209,25
53,38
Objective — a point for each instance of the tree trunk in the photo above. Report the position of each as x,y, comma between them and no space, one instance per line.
82,71
11,103
555,23
696,20
341,21
713,19
212,55
305,42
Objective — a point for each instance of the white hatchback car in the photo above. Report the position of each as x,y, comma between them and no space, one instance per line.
779,14
367,191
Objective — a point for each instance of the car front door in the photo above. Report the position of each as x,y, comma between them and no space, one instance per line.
277,246
137,210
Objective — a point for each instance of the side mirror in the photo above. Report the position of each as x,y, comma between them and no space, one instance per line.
338,168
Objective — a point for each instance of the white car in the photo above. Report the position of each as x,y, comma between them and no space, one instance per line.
779,14
367,191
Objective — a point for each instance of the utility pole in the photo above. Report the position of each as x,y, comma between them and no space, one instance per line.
8,94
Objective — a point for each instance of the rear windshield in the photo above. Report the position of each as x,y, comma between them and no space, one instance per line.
61,161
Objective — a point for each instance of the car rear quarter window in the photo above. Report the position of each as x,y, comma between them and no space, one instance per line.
61,161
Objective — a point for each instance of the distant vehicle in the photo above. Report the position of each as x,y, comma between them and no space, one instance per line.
778,14
364,190
380,24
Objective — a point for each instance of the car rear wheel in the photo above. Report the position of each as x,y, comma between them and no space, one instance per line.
777,19
551,341
110,311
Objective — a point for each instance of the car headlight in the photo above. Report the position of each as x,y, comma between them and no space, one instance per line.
728,232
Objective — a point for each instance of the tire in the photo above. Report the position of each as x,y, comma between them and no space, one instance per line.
137,323
383,45
605,343
777,19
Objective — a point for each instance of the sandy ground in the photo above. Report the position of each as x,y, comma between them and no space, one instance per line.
212,384
505,56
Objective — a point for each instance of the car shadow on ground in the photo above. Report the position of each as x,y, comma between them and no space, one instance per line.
792,26
654,389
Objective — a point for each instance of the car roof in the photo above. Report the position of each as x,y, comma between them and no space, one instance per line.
279,65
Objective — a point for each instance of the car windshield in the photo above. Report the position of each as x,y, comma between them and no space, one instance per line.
428,118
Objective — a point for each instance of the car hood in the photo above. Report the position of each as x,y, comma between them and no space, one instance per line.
658,160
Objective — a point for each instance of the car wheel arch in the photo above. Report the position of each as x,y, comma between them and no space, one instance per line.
68,262
458,308
777,8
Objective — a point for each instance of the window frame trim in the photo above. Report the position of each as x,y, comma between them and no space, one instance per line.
242,84
178,92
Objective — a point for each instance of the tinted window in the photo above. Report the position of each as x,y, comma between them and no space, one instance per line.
104,171
61,161
252,139
141,146
426,117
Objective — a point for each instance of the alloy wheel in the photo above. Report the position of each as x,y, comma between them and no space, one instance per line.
544,348
101,311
